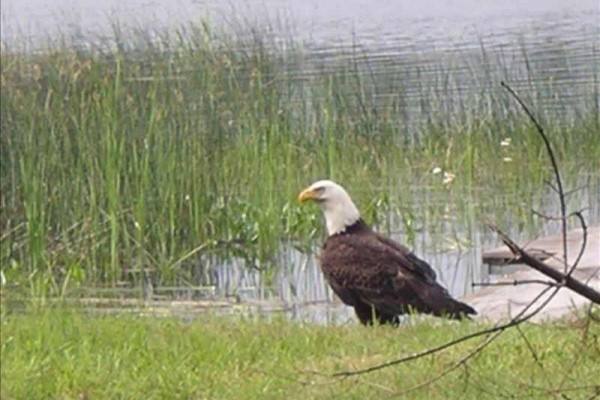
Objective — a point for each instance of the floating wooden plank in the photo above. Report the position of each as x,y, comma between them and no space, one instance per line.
550,249
497,303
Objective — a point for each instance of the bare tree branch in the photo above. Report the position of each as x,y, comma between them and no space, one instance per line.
554,218
561,279
498,328
518,319
515,282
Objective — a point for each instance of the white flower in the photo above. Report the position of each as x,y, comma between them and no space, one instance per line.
448,178
507,159
436,170
187,197
505,142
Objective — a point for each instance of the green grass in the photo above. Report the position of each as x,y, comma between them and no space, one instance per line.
119,160
66,354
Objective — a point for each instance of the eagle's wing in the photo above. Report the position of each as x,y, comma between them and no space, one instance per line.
389,277
367,269
408,259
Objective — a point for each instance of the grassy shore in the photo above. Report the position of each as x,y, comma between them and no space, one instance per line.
136,157
65,354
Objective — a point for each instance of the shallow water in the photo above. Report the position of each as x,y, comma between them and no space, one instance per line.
299,291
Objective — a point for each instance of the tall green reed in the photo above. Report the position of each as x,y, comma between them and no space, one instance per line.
139,157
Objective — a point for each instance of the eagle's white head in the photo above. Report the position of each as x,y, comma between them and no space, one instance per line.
337,206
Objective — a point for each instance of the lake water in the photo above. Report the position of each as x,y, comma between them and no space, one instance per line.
378,24
451,49
549,46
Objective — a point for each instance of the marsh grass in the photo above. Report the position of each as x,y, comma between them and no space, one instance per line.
63,353
191,142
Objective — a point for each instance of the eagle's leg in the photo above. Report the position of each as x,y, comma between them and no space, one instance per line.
388,319
367,314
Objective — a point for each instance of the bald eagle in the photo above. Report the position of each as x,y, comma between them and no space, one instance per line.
380,278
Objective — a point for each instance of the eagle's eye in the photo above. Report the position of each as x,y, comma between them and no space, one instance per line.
320,190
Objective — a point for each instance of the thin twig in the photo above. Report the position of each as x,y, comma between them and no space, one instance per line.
577,189
584,238
451,368
547,182
595,394
559,186
518,319
514,282
584,338
595,388
530,347
498,328
555,218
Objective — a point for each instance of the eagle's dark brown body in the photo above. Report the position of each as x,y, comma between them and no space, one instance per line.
382,279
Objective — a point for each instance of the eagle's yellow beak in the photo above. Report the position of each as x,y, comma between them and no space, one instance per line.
308,194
